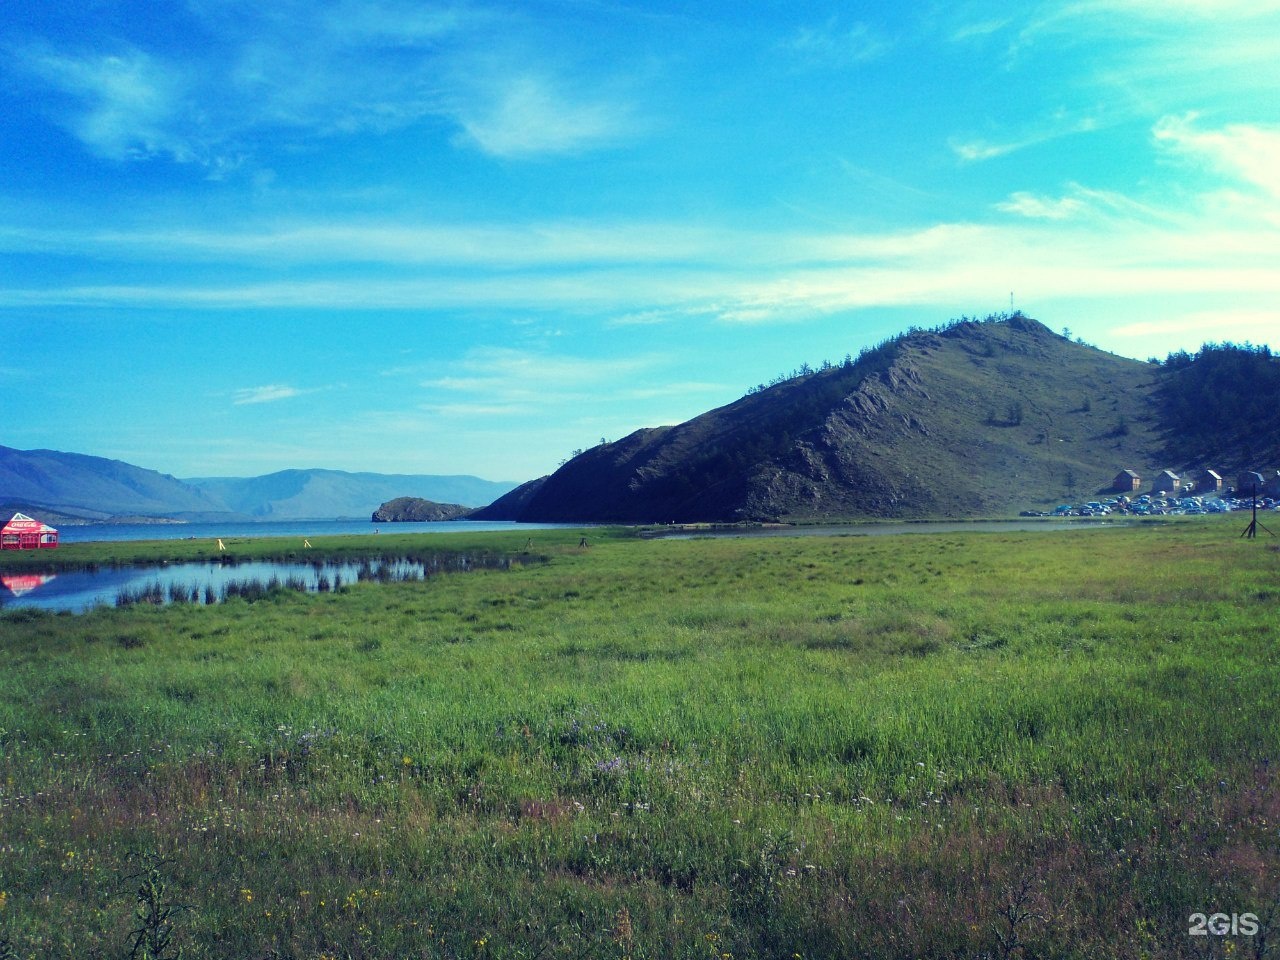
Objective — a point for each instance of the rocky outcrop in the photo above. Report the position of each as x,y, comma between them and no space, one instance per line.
417,509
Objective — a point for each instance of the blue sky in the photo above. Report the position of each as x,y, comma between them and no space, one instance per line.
400,236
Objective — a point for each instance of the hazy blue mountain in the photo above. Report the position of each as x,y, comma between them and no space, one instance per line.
95,486
310,494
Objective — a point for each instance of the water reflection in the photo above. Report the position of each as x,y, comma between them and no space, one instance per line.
215,582
20,584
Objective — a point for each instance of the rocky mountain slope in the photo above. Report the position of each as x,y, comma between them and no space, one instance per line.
978,418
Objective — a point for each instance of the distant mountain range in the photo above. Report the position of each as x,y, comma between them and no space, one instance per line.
73,486
976,418
308,494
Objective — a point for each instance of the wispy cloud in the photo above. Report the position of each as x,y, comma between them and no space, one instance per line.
530,115
1201,234
325,240
1041,208
467,410
502,380
287,71
267,394
505,369
128,103
1263,323
1080,202
1247,152
1150,55
978,29
833,44
973,150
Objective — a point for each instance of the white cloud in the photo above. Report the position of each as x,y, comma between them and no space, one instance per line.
978,29
1082,202
266,394
1061,125
387,242
1207,325
525,368
529,115
128,102
1208,236
1147,57
835,45
1247,152
1041,208
473,409
287,71
1165,10
502,379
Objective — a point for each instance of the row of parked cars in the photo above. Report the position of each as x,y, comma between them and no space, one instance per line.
1152,506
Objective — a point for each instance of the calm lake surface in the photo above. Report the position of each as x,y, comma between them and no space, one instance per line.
82,590
279,528
213,582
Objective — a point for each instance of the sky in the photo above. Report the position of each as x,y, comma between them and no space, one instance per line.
413,237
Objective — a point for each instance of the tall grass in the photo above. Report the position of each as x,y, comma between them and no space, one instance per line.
980,745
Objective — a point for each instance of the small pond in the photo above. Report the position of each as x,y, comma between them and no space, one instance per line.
214,582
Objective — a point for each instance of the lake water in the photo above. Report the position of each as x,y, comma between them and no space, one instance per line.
279,528
82,590
214,582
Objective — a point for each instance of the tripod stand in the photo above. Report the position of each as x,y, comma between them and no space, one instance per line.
1251,530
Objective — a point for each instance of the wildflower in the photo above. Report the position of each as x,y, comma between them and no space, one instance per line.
407,761
4,898
247,894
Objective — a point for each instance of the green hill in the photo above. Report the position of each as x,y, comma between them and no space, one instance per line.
976,418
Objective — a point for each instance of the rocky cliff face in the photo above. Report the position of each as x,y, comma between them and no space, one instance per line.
417,509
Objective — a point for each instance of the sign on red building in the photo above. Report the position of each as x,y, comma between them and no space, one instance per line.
24,533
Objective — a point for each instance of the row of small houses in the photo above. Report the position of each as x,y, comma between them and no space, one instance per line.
1266,484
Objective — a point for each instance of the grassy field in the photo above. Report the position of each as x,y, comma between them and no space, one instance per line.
967,745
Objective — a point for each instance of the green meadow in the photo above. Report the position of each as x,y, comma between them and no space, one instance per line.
981,745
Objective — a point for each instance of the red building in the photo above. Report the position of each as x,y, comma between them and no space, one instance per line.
24,533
